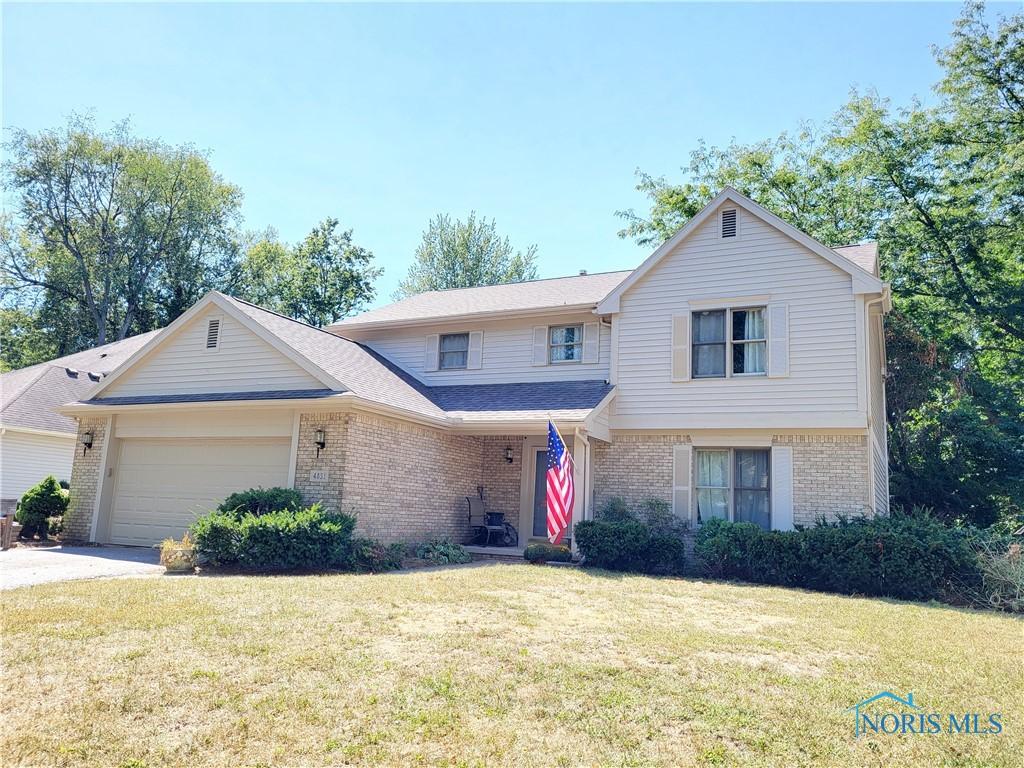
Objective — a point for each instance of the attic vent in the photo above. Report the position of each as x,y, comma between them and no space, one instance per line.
729,223
213,333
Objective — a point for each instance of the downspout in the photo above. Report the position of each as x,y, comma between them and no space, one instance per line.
581,435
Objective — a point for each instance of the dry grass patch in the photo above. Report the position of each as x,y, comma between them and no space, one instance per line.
488,666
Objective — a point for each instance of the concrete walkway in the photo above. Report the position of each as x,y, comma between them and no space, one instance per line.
25,566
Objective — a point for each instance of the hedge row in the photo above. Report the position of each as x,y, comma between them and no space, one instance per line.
913,557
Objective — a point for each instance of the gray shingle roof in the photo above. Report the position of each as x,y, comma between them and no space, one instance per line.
28,396
533,400
551,293
864,255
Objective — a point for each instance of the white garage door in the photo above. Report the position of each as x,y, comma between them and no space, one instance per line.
162,485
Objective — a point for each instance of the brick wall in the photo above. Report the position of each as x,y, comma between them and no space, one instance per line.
830,472
830,476
408,482
501,480
635,467
85,473
331,458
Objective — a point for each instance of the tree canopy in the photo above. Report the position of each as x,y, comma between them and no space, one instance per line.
457,254
942,190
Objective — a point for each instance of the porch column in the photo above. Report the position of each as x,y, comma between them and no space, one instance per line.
581,470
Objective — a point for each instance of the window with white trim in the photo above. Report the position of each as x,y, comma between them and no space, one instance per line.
729,342
453,351
565,344
734,484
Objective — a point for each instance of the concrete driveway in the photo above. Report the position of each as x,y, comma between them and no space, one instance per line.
25,566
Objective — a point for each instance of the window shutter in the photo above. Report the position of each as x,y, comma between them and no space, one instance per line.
432,353
474,358
681,347
681,471
540,345
778,340
782,488
591,342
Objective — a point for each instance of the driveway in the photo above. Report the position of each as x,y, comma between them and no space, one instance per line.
25,566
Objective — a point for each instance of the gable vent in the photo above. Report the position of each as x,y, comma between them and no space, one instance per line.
213,333
729,223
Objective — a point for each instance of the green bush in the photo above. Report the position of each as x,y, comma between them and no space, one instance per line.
547,553
288,539
629,545
217,537
907,556
261,501
42,501
615,511
369,556
441,552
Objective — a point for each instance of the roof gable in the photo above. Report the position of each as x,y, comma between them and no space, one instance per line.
249,358
863,282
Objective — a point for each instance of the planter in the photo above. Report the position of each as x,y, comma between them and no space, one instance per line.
178,559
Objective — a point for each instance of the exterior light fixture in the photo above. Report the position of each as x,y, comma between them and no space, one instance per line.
86,442
321,440
508,454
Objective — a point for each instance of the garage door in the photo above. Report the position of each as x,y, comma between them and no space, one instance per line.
162,485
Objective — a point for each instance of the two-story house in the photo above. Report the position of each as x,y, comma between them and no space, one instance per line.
738,373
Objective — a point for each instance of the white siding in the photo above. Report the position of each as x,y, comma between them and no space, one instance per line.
761,262
25,459
507,354
879,434
243,362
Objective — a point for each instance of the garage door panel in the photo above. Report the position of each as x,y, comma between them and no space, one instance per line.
163,485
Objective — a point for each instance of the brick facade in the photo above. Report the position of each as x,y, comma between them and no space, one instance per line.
830,476
830,472
85,475
500,479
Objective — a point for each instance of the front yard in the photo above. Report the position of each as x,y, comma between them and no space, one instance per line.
493,665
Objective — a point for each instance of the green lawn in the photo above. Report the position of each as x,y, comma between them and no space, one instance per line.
495,665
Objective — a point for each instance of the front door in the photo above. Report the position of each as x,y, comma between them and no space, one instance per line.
540,503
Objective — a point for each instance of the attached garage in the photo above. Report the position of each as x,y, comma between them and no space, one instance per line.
163,485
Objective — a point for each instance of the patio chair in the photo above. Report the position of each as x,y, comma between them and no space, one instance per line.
487,526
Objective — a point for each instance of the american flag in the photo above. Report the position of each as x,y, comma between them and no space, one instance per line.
561,489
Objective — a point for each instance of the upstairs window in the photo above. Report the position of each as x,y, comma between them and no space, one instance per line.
729,342
565,344
454,351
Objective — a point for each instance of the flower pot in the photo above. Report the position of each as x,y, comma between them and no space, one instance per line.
178,559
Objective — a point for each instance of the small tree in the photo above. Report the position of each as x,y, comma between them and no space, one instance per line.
42,501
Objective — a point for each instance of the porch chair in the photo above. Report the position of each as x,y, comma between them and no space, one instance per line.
487,525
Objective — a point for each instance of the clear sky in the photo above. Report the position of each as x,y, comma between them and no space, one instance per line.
382,116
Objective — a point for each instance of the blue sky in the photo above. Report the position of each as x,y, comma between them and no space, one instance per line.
535,115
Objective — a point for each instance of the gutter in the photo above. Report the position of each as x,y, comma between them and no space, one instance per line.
340,329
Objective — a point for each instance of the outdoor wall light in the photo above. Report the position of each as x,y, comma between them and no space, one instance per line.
508,454
86,442
321,440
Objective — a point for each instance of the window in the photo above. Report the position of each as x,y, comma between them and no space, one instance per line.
729,342
565,344
454,351
733,484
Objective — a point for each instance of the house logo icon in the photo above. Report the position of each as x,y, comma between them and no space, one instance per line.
862,718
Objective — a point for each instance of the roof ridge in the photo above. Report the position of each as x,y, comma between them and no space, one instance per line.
513,282
283,316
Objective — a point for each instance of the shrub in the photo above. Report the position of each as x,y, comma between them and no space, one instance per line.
908,556
217,537
287,539
261,501
367,555
42,501
547,553
1001,562
441,552
629,545
615,511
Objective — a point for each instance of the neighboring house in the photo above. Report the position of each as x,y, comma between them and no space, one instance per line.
35,440
738,373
